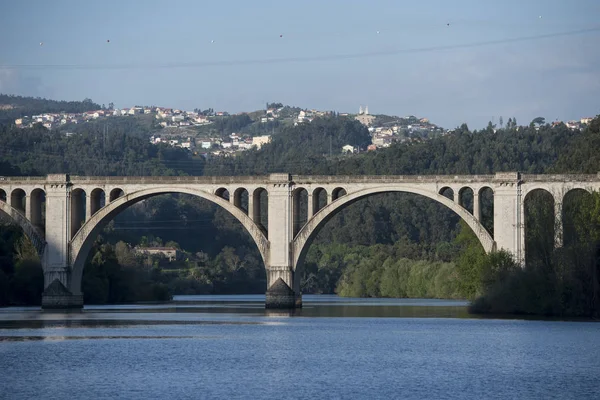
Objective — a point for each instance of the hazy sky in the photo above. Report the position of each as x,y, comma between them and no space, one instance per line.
446,80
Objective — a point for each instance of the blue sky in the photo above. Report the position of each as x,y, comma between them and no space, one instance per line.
554,77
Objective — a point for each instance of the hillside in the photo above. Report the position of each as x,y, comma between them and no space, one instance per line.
13,107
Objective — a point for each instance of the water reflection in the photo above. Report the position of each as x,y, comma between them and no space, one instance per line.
226,310
104,337
231,347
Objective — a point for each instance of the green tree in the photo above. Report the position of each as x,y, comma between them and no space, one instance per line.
27,284
470,262
538,121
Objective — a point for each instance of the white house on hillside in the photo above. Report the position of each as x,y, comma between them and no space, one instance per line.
348,149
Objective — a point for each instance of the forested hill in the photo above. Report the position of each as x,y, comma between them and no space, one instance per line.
527,149
12,107
313,148
308,148
123,150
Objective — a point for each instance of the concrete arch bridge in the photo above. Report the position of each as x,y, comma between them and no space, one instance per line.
62,214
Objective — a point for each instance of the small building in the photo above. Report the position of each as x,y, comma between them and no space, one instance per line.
365,119
586,121
171,253
348,149
259,141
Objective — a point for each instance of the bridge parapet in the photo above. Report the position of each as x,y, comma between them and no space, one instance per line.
168,179
507,176
280,177
561,178
23,179
316,179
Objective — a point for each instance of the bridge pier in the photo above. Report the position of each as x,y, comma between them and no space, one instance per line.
283,287
55,262
56,295
283,290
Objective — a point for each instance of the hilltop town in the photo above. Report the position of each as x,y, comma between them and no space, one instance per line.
195,130
221,133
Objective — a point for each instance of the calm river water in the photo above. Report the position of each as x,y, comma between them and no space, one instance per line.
229,347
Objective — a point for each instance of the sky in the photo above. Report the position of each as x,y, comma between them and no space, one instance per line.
450,61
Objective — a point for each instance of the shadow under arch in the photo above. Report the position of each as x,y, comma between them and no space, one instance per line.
539,220
572,203
31,231
303,240
83,240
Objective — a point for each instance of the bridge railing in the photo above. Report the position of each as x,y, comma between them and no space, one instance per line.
261,179
560,177
168,179
22,178
389,178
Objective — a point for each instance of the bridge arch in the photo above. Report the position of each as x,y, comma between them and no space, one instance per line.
37,207
241,199
541,232
223,193
319,200
337,193
573,199
18,199
31,231
115,194
307,234
447,192
83,240
483,189
97,200
466,196
259,215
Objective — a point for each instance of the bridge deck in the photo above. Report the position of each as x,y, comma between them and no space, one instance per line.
314,179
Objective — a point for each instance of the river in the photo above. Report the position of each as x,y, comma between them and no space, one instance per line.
206,347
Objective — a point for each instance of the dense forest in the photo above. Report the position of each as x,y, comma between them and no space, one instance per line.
395,245
124,151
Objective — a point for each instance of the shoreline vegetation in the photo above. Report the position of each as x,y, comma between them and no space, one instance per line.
389,245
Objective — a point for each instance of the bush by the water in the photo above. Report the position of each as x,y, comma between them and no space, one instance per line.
563,281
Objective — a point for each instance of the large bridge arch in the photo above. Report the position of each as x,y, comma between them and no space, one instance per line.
31,231
307,234
83,240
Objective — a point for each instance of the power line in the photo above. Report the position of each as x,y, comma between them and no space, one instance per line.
333,57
